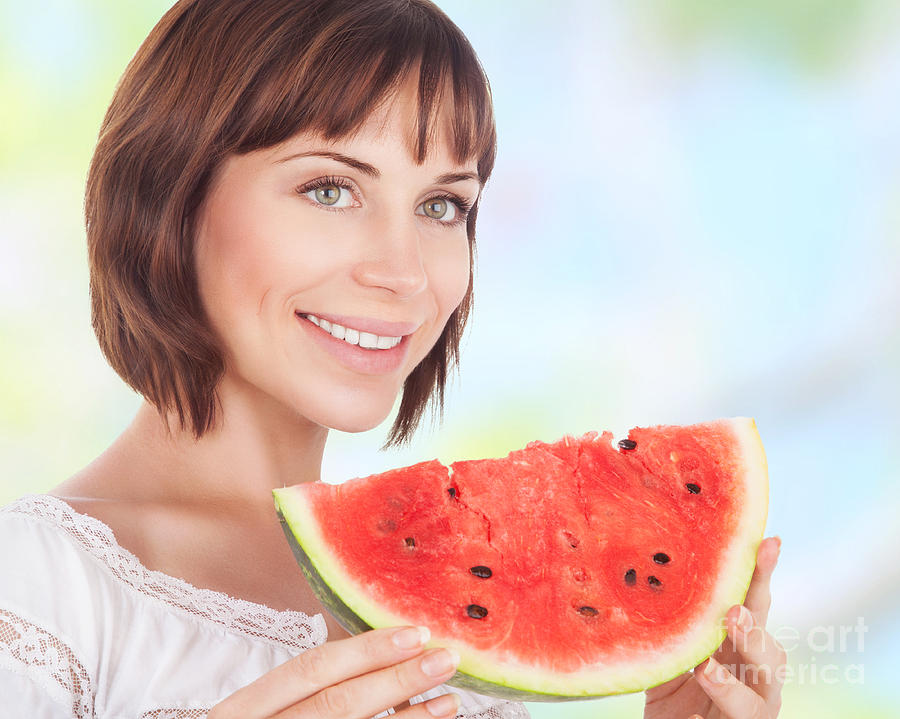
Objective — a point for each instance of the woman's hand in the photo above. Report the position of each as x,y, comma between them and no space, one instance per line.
353,678
744,676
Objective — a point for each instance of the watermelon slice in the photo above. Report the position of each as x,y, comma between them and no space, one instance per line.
564,571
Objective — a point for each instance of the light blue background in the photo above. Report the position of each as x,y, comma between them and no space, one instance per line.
694,214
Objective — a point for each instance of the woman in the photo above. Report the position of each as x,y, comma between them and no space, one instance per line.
281,217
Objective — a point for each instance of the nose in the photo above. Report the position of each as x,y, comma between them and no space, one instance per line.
394,259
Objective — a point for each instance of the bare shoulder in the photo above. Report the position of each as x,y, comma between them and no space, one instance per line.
162,533
91,494
240,552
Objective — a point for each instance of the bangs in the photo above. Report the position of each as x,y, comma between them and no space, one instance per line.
361,53
216,77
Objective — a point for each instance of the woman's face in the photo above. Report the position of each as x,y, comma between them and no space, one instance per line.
329,269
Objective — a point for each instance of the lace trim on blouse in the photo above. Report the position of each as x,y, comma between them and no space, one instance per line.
289,628
47,661
505,711
34,652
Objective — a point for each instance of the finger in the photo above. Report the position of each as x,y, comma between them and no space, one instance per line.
372,693
763,658
759,596
736,700
320,667
445,705
661,691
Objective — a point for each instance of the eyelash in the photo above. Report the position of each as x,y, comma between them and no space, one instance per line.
463,206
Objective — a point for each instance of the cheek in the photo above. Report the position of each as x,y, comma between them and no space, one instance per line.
250,256
450,276
230,258
231,286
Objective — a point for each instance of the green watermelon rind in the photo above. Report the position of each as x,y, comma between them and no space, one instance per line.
349,603
354,624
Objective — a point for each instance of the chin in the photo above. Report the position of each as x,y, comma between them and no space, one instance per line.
355,428
353,425
350,411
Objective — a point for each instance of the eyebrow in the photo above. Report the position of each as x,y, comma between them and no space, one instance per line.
363,167
372,171
451,177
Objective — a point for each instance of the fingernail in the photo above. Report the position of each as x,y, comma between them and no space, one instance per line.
745,619
411,637
444,705
777,545
695,716
714,672
440,662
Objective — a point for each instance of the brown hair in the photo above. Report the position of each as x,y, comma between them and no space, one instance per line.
216,77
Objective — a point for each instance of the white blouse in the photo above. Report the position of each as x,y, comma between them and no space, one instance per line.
87,631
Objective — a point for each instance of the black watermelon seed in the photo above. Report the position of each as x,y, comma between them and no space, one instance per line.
476,612
410,542
627,444
452,491
693,488
654,582
630,577
661,558
387,525
481,571
588,611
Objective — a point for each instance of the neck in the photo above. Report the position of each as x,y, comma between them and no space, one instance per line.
256,445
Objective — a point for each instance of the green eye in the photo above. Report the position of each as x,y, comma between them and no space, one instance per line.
439,209
436,208
328,195
331,192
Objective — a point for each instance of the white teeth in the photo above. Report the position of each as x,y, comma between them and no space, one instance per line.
367,340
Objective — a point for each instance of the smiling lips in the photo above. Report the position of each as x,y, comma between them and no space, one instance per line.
363,345
366,340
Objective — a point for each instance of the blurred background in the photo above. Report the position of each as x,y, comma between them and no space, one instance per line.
695,213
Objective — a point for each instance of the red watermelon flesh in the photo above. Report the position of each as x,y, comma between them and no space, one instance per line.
610,569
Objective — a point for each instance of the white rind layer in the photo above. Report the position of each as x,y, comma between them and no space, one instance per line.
680,655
